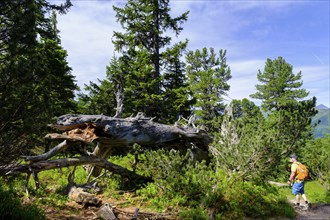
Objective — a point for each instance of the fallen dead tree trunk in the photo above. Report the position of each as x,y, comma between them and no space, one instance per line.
118,132
107,135
114,135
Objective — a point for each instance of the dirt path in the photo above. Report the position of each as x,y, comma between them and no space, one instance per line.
315,212
74,211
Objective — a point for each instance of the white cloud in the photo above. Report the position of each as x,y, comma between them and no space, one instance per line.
86,33
244,78
316,80
257,4
246,67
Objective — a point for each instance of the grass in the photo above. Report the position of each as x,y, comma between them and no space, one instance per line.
54,181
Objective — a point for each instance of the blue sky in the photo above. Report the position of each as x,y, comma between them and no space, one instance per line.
250,31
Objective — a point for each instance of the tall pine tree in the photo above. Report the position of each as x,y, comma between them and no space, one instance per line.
155,74
208,76
280,86
288,112
36,83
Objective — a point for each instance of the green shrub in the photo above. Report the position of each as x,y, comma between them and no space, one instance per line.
197,213
316,156
177,182
197,191
156,197
246,199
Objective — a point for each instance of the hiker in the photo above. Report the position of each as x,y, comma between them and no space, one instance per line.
298,184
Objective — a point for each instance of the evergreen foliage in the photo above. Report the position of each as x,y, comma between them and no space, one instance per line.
148,76
154,79
292,130
316,156
280,86
208,75
206,193
36,83
98,99
288,115
243,144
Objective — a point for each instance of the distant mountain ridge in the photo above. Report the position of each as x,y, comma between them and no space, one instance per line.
323,116
321,106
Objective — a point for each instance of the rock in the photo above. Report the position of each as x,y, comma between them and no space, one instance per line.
80,196
106,212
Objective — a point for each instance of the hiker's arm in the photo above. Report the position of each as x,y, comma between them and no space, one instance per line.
293,174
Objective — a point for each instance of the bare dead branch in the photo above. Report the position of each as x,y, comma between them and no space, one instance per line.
67,162
60,147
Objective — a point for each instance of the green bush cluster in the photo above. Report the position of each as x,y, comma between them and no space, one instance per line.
247,199
197,191
316,156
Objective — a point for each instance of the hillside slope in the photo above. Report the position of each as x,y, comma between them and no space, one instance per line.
323,120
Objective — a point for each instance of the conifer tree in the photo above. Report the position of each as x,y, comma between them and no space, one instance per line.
208,75
288,113
151,82
280,86
177,97
97,98
36,83
241,145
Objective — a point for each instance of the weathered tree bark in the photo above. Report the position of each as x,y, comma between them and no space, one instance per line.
120,100
119,132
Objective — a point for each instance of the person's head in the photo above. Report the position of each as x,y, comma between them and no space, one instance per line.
293,158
